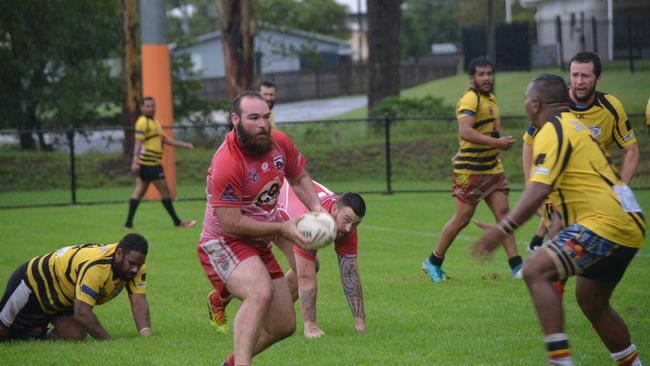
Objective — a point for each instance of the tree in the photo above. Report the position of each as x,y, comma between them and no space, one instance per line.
130,86
384,51
54,63
318,16
425,22
237,39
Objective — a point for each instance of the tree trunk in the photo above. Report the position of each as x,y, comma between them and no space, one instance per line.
490,33
130,87
384,18
237,39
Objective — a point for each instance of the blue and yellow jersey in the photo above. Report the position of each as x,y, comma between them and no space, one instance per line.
474,158
585,187
82,273
150,132
606,119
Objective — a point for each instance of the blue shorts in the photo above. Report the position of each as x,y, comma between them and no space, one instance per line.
579,251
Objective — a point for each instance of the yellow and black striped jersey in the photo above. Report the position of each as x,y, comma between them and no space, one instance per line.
83,273
151,133
606,119
647,113
474,158
585,187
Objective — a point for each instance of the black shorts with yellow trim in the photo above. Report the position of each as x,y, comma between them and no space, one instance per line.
20,311
151,172
579,251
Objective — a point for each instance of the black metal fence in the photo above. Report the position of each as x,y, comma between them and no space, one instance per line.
384,155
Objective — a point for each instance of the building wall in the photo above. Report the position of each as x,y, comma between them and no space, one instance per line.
276,51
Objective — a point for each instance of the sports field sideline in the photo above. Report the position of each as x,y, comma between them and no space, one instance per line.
479,317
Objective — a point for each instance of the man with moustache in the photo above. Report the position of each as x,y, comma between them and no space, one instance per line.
63,286
241,220
602,113
478,171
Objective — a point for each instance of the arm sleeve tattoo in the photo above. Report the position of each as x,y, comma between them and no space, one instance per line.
351,282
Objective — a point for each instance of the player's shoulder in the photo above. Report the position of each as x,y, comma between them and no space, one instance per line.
281,139
141,120
610,102
469,95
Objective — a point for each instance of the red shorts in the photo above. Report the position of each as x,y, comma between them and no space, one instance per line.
472,188
219,259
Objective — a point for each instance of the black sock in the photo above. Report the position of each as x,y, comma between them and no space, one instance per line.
133,205
515,261
167,202
536,241
435,260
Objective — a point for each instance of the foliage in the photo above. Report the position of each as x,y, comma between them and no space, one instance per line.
56,64
319,16
474,12
425,23
203,20
403,106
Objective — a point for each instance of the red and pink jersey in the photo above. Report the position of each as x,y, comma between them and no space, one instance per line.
237,179
290,206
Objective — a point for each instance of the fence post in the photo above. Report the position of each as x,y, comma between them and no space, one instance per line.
387,121
73,174
629,43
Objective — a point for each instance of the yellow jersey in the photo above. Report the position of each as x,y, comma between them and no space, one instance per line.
605,118
647,113
474,158
83,272
150,132
586,189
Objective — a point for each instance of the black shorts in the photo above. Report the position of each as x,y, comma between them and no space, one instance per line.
151,172
19,309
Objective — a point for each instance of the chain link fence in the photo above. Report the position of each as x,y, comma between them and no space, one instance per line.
382,155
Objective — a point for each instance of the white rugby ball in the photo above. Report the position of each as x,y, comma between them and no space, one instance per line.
318,227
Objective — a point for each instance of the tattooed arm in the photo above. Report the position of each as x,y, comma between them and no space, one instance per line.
307,289
349,270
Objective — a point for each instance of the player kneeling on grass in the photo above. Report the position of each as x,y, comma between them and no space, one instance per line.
63,286
347,211
603,224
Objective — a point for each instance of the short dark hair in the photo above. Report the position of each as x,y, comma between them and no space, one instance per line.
550,89
586,57
266,84
236,104
478,62
148,97
354,201
132,242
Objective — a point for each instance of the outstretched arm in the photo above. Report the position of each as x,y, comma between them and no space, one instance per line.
349,271
177,143
83,313
140,309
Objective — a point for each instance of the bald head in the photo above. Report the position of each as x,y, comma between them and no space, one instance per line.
546,95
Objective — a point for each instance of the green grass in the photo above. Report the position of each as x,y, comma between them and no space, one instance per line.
630,89
465,321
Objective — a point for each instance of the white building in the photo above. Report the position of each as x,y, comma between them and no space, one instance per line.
589,25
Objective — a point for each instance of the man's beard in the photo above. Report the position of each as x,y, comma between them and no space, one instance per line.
270,103
584,100
251,144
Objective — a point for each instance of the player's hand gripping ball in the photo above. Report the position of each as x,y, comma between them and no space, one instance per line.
318,227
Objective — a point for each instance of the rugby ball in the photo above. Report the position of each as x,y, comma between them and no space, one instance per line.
318,227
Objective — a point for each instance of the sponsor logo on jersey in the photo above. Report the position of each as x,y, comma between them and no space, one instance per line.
265,167
268,196
229,194
278,162
544,171
629,136
490,110
540,159
596,131
253,176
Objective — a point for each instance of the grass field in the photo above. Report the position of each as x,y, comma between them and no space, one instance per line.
631,89
465,321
